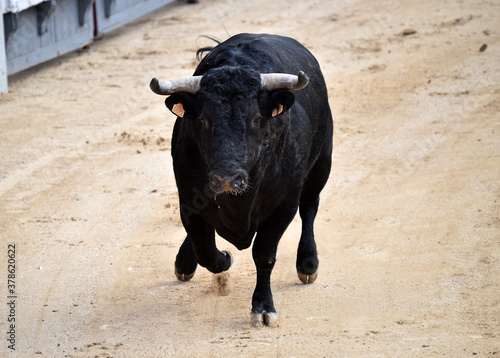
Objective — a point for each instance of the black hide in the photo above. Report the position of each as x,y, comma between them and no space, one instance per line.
242,172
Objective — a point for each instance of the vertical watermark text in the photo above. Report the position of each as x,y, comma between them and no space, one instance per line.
11,297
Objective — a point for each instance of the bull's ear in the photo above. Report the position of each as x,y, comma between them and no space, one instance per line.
280,101
180,104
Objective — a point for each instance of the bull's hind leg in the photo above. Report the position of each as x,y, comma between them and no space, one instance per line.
307,255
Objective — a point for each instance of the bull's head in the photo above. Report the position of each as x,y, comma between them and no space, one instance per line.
233,114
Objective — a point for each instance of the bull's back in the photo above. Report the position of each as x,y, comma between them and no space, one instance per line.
266,54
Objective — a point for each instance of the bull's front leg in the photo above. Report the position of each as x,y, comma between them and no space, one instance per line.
199,247
264,255
185,261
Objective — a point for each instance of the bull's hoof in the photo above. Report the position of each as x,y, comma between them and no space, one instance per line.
269,319
306,279
307,268
182,276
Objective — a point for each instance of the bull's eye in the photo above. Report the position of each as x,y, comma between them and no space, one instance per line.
204,122
256,121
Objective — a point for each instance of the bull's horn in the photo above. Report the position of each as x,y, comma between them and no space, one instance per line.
186,84
274,81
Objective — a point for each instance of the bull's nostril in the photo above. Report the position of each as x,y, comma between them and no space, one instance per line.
238,182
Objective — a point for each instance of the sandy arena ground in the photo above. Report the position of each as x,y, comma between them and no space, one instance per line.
408,229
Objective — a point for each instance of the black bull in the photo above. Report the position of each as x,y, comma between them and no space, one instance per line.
251,145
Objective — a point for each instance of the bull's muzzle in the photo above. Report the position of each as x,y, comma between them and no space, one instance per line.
235,183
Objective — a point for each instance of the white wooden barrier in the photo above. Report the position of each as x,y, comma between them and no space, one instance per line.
34,31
